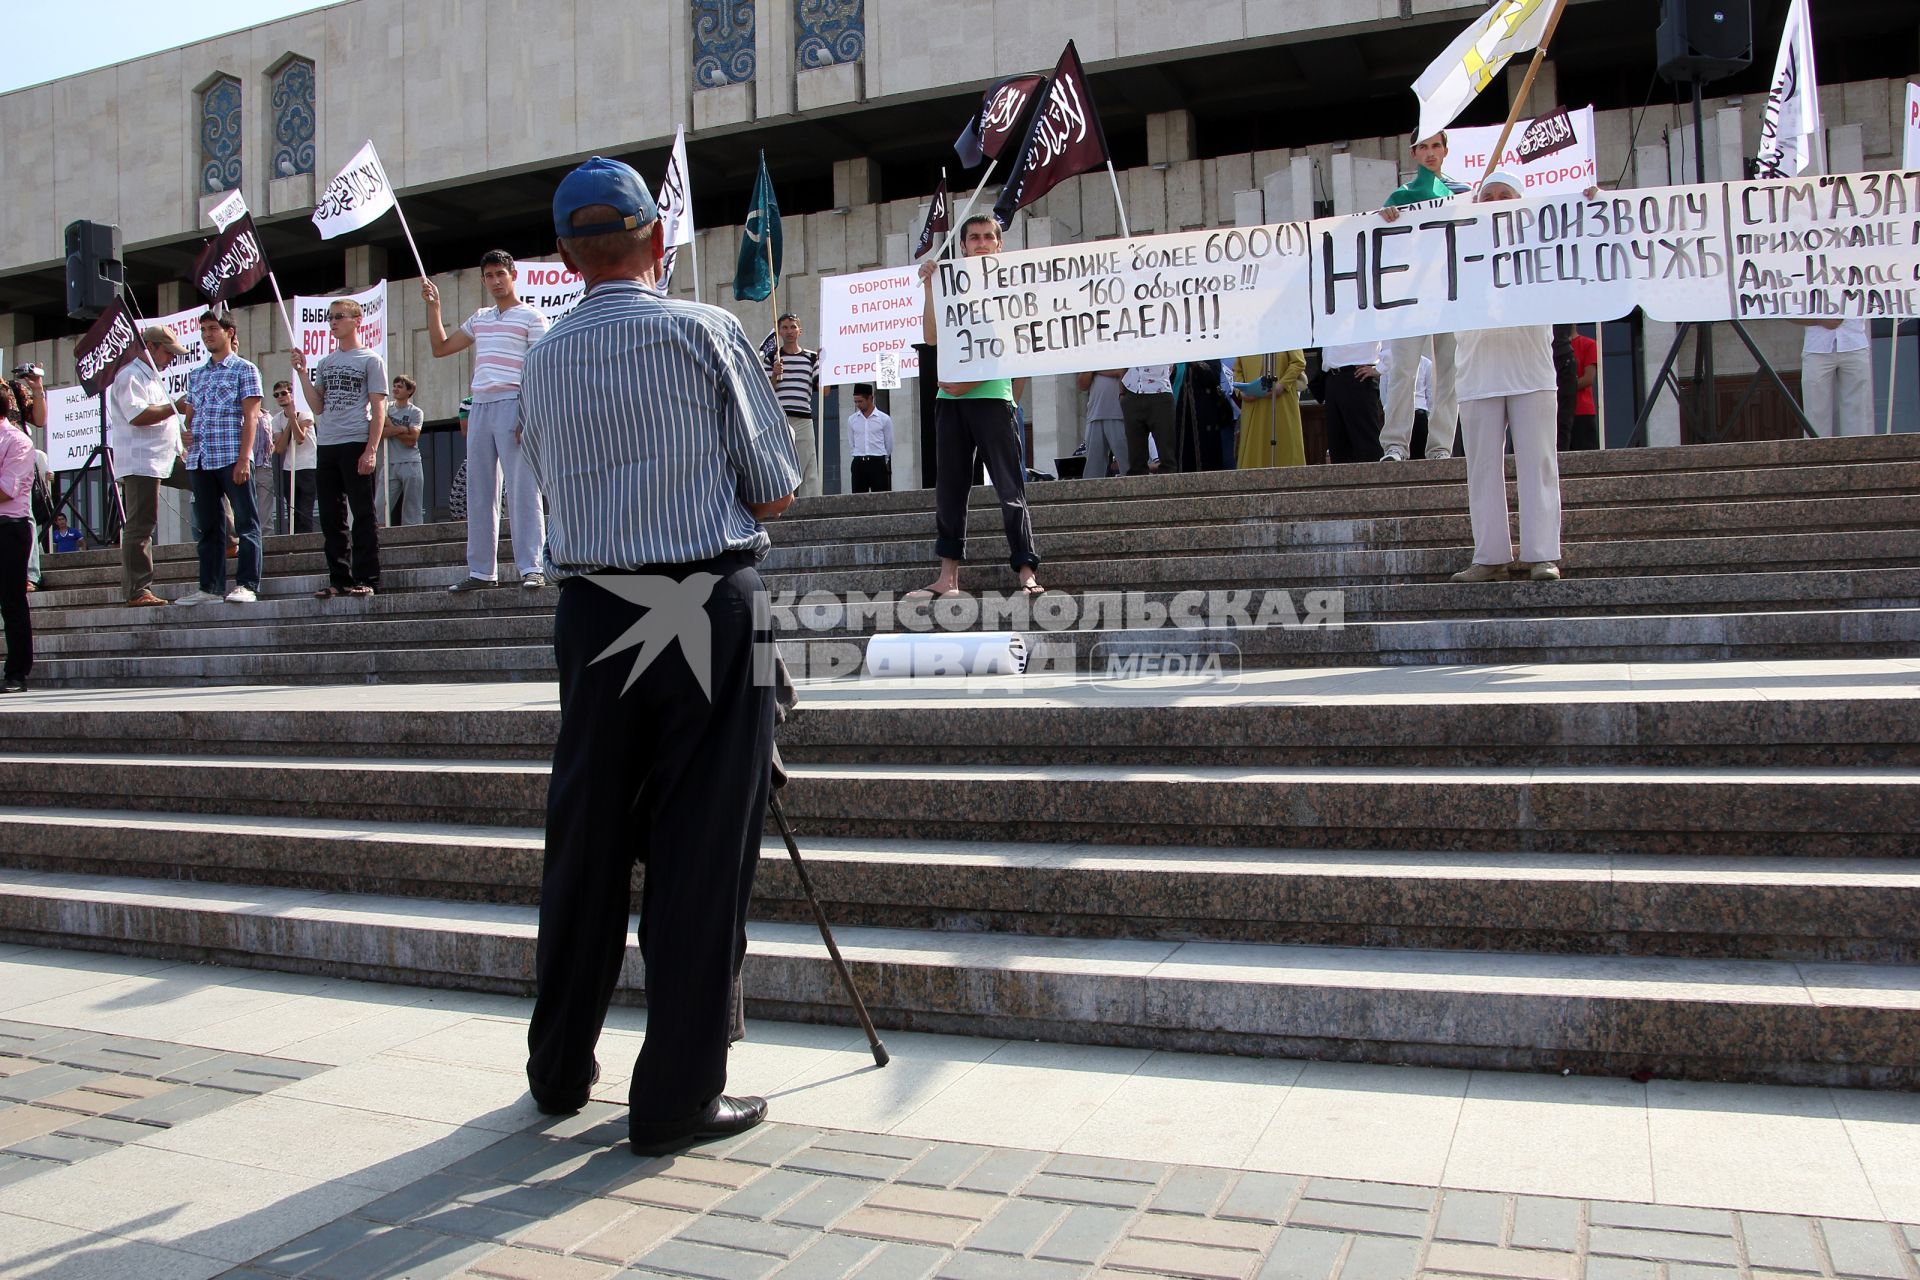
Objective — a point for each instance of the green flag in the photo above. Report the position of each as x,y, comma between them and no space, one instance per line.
755,277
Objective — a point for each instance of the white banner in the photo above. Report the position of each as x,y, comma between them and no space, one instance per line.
1790,123
1912,157
357,195
549,287
73,427
1841,246
186,327
865,315
676,206
228,211
316,339
1567,172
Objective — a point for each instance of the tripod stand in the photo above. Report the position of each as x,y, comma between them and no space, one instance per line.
1706,411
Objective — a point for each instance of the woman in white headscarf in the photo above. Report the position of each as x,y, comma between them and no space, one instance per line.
1507,384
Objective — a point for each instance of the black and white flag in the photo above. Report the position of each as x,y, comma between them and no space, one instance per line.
1064,139
1790,126
997,119
103,349
357,195
232,262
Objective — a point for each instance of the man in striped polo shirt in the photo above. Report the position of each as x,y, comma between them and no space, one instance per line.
795,372
499,335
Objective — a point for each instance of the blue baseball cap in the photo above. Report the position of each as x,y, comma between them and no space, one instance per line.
602,181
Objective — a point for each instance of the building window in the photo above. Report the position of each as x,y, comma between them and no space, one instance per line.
829,31
293,118
722,43
220,135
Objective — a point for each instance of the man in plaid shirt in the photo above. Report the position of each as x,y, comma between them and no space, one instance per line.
222,409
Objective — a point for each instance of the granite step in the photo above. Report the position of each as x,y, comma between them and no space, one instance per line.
1600,904
1781,811
1782,1022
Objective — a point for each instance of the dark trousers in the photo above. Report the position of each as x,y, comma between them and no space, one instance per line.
140,498
873,473
962,428
1353,416
16,541
1146,415
342,490
1417,443
303,493
215,494
663,775
1583,432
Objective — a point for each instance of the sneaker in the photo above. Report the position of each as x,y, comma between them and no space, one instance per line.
1394,453
1439,455
471,584
1482,573
1545,571
197,596
241,595
13,686
534,581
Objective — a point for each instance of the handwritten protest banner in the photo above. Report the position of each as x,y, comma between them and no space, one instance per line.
73,427
550,288
1844,245
865,316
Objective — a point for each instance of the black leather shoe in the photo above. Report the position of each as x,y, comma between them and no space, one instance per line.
723,1117
551,1105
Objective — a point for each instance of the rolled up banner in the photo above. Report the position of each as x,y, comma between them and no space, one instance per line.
949,653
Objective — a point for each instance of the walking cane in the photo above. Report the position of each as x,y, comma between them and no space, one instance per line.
880,1055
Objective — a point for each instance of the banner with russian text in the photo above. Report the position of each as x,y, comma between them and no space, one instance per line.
863,316
316,340
551,288
73,427
1568,170
1839,246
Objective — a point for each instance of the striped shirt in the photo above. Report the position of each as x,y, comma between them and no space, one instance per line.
500,342
218,390
649,425
798,374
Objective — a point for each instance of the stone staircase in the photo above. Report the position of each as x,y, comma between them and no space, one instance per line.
1376,843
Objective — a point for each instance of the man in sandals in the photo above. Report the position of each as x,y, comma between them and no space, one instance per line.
350,387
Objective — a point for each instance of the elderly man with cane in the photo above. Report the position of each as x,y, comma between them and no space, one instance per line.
654,435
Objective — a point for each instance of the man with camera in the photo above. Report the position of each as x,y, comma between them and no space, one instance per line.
652,431
143,428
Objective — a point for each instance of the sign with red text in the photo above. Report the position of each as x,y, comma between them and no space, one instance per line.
1569,169
1912,160
316,339
73,427
551,288
863,316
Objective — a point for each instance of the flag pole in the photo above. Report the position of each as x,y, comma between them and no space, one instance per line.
1120,206
1520,98
1893,374
293,424
972,200
694,244
409,233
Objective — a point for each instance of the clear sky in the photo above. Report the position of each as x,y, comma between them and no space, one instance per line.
49,40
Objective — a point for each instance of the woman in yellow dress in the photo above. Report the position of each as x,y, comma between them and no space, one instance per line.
1269,388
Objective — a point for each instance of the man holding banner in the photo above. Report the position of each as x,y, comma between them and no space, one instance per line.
499,335
1404,354
144,431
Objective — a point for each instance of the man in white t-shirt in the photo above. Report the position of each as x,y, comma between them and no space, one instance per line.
1836,377
143,428
499,335
296,478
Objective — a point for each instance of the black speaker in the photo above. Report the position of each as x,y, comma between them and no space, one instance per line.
94,269
1704,39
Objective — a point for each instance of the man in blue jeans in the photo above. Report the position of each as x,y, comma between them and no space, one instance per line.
222,412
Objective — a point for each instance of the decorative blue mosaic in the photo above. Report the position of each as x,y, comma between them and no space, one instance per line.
722,43
293,119
829,31
220,135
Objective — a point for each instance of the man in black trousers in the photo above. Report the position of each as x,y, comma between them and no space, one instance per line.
654,435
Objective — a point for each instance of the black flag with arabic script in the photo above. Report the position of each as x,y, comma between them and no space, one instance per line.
1002,109
111,343
939,221
1064,139
231,264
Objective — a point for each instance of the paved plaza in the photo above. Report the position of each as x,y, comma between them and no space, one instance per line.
172,1120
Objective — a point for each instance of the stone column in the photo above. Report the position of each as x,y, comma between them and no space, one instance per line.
366,263
1053,403
1360,184
856,183
1170,137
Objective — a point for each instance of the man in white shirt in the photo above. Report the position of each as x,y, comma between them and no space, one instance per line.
296,475
1146,407
499,335
1352,401
143,429
1836,377
870,444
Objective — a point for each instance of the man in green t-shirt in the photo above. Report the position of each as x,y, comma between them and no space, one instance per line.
1403,354
976,419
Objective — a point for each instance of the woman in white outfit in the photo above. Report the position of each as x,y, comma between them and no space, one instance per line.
1507,383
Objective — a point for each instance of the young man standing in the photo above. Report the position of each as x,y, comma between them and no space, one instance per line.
870,444
350,386
795,372
499,335
1396,431
406,477
222,409
976,418
297,478
144,430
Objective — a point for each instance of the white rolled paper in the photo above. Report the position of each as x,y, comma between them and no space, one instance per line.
948,653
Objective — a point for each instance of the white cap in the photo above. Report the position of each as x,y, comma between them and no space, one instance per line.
1506,178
